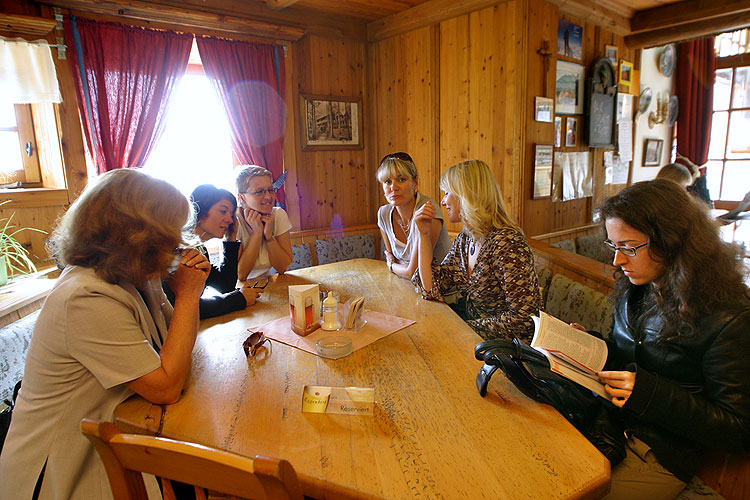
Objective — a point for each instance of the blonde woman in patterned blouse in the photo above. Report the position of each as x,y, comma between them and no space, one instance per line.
490,265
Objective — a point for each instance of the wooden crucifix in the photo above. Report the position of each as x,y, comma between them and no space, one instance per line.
545,52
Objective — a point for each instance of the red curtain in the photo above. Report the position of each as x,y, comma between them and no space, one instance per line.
696,65
129,74
249,78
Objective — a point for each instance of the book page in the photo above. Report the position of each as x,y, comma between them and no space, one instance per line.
568,371
582,350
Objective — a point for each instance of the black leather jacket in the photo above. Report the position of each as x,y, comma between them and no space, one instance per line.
691,394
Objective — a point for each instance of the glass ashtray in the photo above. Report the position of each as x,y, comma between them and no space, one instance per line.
334,347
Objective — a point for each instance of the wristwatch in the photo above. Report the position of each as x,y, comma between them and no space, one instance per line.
268,240
390,266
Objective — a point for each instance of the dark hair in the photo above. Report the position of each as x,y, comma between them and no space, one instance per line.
206,196
701,272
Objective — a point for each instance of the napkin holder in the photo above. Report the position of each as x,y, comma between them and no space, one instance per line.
304,308
353,311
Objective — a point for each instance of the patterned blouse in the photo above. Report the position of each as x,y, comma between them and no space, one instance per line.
502,292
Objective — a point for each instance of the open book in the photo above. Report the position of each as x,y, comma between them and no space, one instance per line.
574,354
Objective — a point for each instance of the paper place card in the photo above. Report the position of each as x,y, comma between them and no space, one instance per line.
340,400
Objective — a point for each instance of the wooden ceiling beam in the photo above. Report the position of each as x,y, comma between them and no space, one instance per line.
179,17
596,13
685,12
280,4
688,31
26,25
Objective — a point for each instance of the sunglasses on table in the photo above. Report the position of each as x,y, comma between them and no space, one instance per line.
261,283
253,343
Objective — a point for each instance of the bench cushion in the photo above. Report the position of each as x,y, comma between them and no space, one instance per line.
302,257
14,343
567,244
357,246
591,246
573,302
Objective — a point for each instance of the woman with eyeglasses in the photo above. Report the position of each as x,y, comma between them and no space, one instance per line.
398,176
490,265
105,332
262,227
215,218
678,355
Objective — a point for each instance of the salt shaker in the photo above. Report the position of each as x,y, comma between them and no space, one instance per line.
330,313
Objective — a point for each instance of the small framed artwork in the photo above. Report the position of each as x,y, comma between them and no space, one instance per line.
543,109
330,122
569,40
610,51
652,152
569,88
543,161
571,132
626,72
558,131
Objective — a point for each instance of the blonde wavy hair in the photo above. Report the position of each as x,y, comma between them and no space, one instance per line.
125,226
482,205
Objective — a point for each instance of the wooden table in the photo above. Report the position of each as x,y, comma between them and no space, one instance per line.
432,435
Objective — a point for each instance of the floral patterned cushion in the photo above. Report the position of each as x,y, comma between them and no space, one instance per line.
565,245
14,342
573,302
696,489
591,246
544,277
302,257
357,246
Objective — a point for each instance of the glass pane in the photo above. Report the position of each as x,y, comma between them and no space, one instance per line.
736,180
741,98
713,178
739,140
10,153
718,135
722,86
7,115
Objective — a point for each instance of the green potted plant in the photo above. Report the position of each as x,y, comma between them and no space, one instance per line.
14,258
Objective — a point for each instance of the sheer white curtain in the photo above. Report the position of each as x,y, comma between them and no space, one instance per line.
27,72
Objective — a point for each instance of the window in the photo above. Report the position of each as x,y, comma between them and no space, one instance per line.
728,168
18,149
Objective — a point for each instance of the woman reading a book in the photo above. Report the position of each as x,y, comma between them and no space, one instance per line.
677,364
490,267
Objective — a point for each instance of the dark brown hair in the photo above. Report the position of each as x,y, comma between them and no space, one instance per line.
701,271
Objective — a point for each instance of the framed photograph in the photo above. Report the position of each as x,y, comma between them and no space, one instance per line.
569,40
543,109
571,132
558,131
626,72
652,152
569,83
330,122
610,52
543,161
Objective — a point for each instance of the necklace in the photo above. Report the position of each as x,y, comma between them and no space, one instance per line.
404,227
472,248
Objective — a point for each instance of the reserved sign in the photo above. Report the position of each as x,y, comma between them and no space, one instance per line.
339,400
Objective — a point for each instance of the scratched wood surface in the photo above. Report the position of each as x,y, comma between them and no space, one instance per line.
431,436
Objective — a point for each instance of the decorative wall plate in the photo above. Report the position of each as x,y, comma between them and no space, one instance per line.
667,60
644,100
673,110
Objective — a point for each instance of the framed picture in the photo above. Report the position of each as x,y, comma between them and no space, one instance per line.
569,40
330,122
626,72
543,161
558,131
543,109
569,88
652,152
571,132
610,52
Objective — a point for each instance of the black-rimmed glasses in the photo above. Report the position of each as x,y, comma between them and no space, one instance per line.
258,285
625,249
253,343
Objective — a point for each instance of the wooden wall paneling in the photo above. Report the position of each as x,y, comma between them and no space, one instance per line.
43,218
333,184
291,137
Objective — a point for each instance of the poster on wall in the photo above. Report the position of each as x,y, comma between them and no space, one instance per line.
569,88
569,40
577,178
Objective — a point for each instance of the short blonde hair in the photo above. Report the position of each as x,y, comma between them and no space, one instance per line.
395,164
677,173
245,173
125,226
482,205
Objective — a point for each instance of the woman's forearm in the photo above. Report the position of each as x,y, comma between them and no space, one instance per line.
425,261
249,255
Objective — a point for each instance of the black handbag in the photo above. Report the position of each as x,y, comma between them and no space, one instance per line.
7,413
529,371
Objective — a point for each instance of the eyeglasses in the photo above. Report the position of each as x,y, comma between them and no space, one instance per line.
261,192
253,343
258,285
625,249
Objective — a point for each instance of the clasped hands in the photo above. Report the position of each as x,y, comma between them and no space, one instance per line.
258,222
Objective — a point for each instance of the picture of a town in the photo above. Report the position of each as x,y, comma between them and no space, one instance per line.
331,123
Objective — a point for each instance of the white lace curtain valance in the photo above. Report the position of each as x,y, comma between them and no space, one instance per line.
27,72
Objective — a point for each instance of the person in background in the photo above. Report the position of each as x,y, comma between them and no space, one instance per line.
677,364
677,173
105,332
215,218
398,175
262,228
490,265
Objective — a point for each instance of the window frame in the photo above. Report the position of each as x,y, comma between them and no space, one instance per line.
30,176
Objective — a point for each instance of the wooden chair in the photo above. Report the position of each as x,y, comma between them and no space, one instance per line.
126,456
